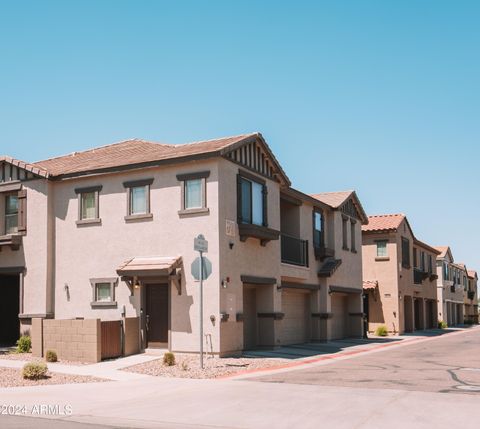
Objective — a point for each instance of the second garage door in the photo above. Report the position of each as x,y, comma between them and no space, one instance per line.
295,324
339,316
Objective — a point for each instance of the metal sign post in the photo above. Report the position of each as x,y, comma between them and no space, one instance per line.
201,245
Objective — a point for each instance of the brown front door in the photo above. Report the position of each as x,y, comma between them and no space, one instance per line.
157,315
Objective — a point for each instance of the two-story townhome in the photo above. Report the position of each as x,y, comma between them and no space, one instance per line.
321,268
107,234
400,280
471,297
450,287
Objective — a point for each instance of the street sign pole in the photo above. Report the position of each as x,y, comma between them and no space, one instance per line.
201,246
201,309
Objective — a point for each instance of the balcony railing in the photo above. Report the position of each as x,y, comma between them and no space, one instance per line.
471,294
294,250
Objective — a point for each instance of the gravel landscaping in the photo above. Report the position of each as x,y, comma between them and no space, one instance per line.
11,377
188,366
30,358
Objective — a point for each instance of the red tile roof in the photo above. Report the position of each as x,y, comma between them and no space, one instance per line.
370,284
333,199
336,199
442,249
380,223
132,152
472,274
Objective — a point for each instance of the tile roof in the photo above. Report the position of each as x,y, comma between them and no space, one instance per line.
337,199
472,274
390,222
153,264
35,169
333,199
442,249
133,152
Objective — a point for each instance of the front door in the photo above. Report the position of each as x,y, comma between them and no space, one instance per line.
157,315
9,309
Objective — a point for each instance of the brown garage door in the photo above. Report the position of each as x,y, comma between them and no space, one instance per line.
295,306
340,316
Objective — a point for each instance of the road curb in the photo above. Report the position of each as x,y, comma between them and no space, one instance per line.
324,359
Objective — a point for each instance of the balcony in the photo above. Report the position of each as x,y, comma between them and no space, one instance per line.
418,276
294,250
471,294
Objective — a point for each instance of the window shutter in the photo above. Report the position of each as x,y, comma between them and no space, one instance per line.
239,199
22,210
265,206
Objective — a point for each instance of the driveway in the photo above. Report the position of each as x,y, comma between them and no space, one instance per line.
412,384
450,364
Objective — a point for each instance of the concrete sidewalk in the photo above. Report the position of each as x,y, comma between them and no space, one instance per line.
110,370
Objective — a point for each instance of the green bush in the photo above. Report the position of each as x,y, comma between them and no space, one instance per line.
24,344
34,370
442,324
51,356
169,359
381,331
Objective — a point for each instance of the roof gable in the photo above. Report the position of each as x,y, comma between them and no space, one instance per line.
15,170
255,155
345,201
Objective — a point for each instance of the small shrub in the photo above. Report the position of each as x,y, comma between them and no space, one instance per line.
381,331
51,356
24,344
442,324
34,370
169,359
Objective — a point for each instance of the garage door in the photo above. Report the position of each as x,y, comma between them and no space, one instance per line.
296,309
339,316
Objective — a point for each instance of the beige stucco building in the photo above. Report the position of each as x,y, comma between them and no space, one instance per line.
399,273
471,297
107,234
450,287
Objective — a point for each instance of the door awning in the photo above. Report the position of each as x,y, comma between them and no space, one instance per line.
370,284
150,266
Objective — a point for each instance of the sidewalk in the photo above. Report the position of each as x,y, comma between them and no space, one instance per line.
301,355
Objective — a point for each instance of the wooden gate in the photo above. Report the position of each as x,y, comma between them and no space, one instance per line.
111,339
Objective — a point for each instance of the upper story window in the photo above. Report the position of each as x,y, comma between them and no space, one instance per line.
353,244
415,258
382,249
194,192
88,204
318,237
345,232
11,214
430,264
138,199
252,200
405,252
446,271
422,261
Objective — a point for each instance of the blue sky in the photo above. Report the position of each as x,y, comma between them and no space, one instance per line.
378,96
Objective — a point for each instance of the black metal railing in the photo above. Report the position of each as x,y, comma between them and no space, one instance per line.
471,294
294,250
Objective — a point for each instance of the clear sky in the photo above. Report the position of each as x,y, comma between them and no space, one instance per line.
377,96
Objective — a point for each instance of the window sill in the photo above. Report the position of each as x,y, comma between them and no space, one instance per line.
193,212
345,248
382,258
99,304
89,222
353,251
12,240
139,217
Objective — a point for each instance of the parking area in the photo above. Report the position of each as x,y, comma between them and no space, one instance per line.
450,364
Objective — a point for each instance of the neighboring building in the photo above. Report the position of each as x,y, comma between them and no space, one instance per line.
471,297
108,234
450,287
400,282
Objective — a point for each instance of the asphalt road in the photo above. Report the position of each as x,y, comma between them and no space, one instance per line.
449,364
